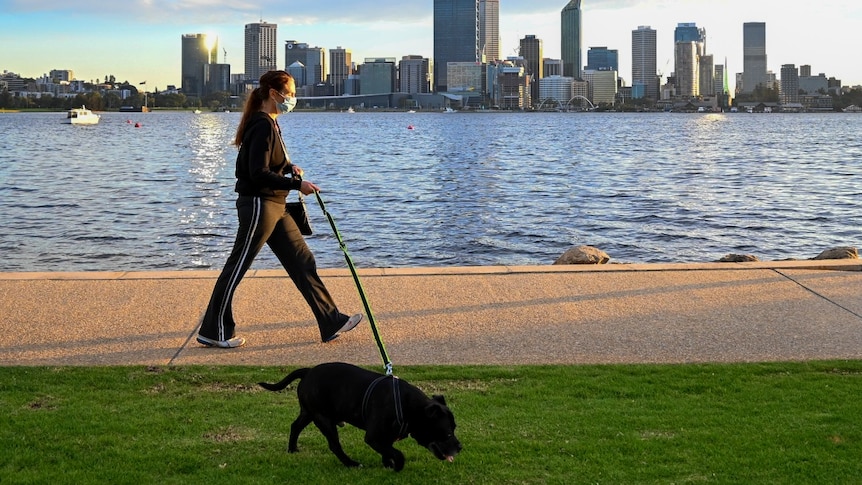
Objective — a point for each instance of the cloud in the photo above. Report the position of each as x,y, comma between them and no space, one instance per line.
179,12
216,12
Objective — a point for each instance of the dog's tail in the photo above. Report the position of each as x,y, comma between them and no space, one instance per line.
297,374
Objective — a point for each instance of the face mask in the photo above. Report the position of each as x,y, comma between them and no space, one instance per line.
287,105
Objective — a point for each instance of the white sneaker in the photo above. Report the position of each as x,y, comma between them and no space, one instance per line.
222,344
349,325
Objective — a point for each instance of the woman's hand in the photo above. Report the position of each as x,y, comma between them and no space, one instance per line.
308,188
298,171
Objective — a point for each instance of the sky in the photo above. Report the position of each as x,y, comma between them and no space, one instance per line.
139,40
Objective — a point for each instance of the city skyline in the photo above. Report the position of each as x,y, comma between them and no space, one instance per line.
93,39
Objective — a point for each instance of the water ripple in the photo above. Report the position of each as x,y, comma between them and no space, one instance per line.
468,189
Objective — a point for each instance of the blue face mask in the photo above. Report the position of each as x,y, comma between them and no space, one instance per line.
287,105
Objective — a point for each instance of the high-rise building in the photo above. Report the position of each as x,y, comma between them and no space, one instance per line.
720,80
687,71
198,51
261,50
377,76
313,60
754,56
456,36
531,51
603,59
511,84
644,68
414,75
690,45
688,32
706,82
489,29
571,39
218,78
556,91
552,67
602,86
464,77
340,68
789,84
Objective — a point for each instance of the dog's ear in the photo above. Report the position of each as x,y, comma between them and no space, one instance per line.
436,408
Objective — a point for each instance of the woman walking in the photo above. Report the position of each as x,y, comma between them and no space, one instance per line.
264,176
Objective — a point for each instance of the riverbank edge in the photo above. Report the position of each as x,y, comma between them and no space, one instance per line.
835,265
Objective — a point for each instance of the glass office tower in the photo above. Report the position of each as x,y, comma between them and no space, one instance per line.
456,36
603,59
753,56
197,53
570,39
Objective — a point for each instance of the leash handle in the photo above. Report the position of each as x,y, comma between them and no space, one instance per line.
387,364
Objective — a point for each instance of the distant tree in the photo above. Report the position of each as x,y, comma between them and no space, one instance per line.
112,100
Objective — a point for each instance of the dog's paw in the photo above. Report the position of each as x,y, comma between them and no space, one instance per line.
395,462
292,449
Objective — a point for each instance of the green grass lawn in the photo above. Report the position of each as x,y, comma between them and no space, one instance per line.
777,423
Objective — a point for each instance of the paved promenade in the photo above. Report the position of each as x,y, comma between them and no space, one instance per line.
714,312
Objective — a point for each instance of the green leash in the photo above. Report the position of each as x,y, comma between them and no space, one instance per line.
387,364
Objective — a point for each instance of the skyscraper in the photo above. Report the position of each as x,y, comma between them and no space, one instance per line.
456,36
688,32
414,74
789,84
261,51
753,56
531,51
340,67
706,82
689,46
687,70
570,39
603,59
198,51
312,58
644,69
489,29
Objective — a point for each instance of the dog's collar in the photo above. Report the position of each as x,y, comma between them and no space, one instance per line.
396,395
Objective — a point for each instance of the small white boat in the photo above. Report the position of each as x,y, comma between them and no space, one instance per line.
350,110
197,111
81,116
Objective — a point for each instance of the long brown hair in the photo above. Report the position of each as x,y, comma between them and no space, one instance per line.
270,80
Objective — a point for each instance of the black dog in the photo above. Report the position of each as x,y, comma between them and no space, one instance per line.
387,408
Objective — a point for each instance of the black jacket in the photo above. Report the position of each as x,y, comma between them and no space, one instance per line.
263,168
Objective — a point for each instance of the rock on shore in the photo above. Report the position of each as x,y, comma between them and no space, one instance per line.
583,255
592,255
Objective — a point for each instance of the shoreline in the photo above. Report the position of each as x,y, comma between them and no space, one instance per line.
829,264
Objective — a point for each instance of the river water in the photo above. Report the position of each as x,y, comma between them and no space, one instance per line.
154,191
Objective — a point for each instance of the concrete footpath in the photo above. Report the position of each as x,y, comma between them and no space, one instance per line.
653,313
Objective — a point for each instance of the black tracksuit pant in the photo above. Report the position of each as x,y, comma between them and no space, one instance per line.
265,221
